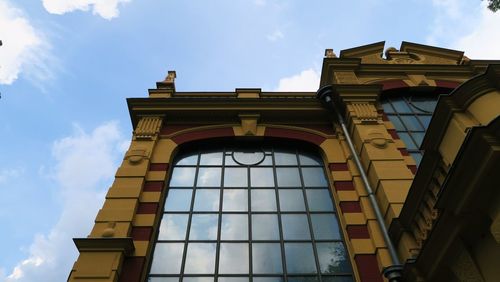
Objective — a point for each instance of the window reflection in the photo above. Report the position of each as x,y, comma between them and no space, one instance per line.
233,258
200,258
266,258
223,216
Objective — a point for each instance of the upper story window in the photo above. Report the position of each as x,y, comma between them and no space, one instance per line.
411,116
249,213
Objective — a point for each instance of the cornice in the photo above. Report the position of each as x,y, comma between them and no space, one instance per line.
459,100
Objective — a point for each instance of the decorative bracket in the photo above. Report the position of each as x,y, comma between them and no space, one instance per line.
148,128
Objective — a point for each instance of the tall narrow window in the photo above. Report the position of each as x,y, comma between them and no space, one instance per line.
410,116
249,213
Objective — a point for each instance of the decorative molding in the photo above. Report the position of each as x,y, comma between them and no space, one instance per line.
377,139
109,231
330,54
136,155
364,111
125,245
148,128
249,123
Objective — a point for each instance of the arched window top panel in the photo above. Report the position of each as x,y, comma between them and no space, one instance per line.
249,212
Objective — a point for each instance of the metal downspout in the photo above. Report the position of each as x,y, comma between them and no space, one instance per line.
393,272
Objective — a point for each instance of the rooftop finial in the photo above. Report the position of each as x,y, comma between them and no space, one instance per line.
168,82
330,54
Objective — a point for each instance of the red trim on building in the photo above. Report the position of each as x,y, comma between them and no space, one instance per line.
158,167
141,233
385,117
348,207
404,152
294,134
393,133
413,168
368,268
447,84
393,84
323,129
338,166
358,232
169,129
147,208
343,185
132,269
153,186
203,134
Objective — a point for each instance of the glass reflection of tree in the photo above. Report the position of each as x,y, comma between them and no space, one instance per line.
337,256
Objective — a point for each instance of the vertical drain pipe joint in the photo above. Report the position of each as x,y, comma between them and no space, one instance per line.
393,272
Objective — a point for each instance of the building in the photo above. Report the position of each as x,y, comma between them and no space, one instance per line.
391,169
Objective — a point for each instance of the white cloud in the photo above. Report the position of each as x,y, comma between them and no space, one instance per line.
7,174
24,47
276,35
484,40
307,80
84,167
466,26
107,9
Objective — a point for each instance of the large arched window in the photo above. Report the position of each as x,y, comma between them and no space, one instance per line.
249,213
410,116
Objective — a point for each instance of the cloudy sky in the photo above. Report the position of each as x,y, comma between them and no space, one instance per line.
66,67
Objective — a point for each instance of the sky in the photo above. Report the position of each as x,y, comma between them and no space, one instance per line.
67,67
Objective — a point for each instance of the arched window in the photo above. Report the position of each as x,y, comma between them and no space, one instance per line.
249,213
410,116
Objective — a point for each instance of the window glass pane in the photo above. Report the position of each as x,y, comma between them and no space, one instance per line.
266,258
295,227
425,120
261,177
265,227
178,200
173,227
233,279
310,160
325,227
200,258
303,279
187,159
314,177
235,200
319,200
206,200
299,258
163,279
268,279
198,279
411,123
291,200
418,136
167,258
209,177
234,227
235,177
398,125
400,105
333,258
285,158
427,104
250,157
288,177
229,161
203,227
233,258
407,140
387,107
183,177
263,200
337,279
211,158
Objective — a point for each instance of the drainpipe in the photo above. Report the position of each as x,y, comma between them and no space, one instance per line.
393,272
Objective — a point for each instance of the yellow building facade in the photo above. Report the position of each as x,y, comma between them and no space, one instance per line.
409,143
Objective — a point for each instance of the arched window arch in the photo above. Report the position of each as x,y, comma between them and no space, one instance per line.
249,212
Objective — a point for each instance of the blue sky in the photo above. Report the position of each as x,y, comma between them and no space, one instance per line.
67,66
